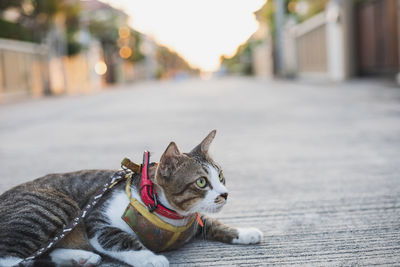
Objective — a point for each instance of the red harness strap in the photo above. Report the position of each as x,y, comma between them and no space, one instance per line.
149,196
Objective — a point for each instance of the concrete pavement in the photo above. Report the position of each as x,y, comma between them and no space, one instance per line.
315,166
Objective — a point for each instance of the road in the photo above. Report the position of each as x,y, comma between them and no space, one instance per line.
315,166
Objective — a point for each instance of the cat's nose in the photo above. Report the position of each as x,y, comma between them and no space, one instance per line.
224,195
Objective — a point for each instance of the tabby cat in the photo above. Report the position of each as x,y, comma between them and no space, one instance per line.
188,183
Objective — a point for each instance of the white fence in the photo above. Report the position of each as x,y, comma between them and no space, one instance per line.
322,46
311,46
22,66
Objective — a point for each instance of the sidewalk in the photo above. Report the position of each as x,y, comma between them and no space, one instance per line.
315,167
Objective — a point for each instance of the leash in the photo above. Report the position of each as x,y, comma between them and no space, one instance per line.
113,180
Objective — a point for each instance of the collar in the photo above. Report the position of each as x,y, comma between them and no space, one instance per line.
149,196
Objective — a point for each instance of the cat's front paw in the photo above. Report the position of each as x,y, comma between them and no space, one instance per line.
89,261
155,261
74,257
248,236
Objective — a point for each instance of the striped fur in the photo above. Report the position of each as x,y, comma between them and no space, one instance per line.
33,213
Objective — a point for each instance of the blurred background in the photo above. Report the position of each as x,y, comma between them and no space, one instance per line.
304,95
50,47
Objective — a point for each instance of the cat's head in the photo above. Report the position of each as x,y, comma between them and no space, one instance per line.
192,182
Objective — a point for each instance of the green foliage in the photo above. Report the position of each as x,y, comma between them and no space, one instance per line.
137,55
36,18
4,4
72,13
314,7
15,31
241,62
170,62
105,30
267,12
73,48
48,7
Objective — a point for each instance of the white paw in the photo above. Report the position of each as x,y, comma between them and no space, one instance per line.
248,236
155,261
74,257
88,261
9,261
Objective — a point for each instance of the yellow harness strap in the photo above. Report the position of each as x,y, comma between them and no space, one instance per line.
176,230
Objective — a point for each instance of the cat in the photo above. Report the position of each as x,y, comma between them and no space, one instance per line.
187,183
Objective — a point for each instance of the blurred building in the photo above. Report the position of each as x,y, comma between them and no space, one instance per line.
328,39
348,39
262,56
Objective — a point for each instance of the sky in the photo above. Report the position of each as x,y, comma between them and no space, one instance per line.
200,30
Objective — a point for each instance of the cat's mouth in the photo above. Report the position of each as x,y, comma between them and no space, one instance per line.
220,201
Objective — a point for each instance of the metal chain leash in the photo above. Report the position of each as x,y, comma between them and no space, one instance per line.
114,179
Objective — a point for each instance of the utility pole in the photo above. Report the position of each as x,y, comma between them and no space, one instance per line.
279,24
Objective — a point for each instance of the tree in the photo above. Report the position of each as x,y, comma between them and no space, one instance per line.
36,17
171,63
241,61
293,8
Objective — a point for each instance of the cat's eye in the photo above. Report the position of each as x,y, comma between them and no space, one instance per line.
201,182
221,177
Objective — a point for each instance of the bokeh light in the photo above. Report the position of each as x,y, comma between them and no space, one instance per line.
124,32
100,68
125,52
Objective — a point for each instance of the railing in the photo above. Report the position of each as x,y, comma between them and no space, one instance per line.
21,68
311,46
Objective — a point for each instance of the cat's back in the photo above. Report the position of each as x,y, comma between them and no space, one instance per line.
78,185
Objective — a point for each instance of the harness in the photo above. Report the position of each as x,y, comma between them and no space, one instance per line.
153,232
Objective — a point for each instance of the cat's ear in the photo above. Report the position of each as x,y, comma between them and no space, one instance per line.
203,147
169,160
